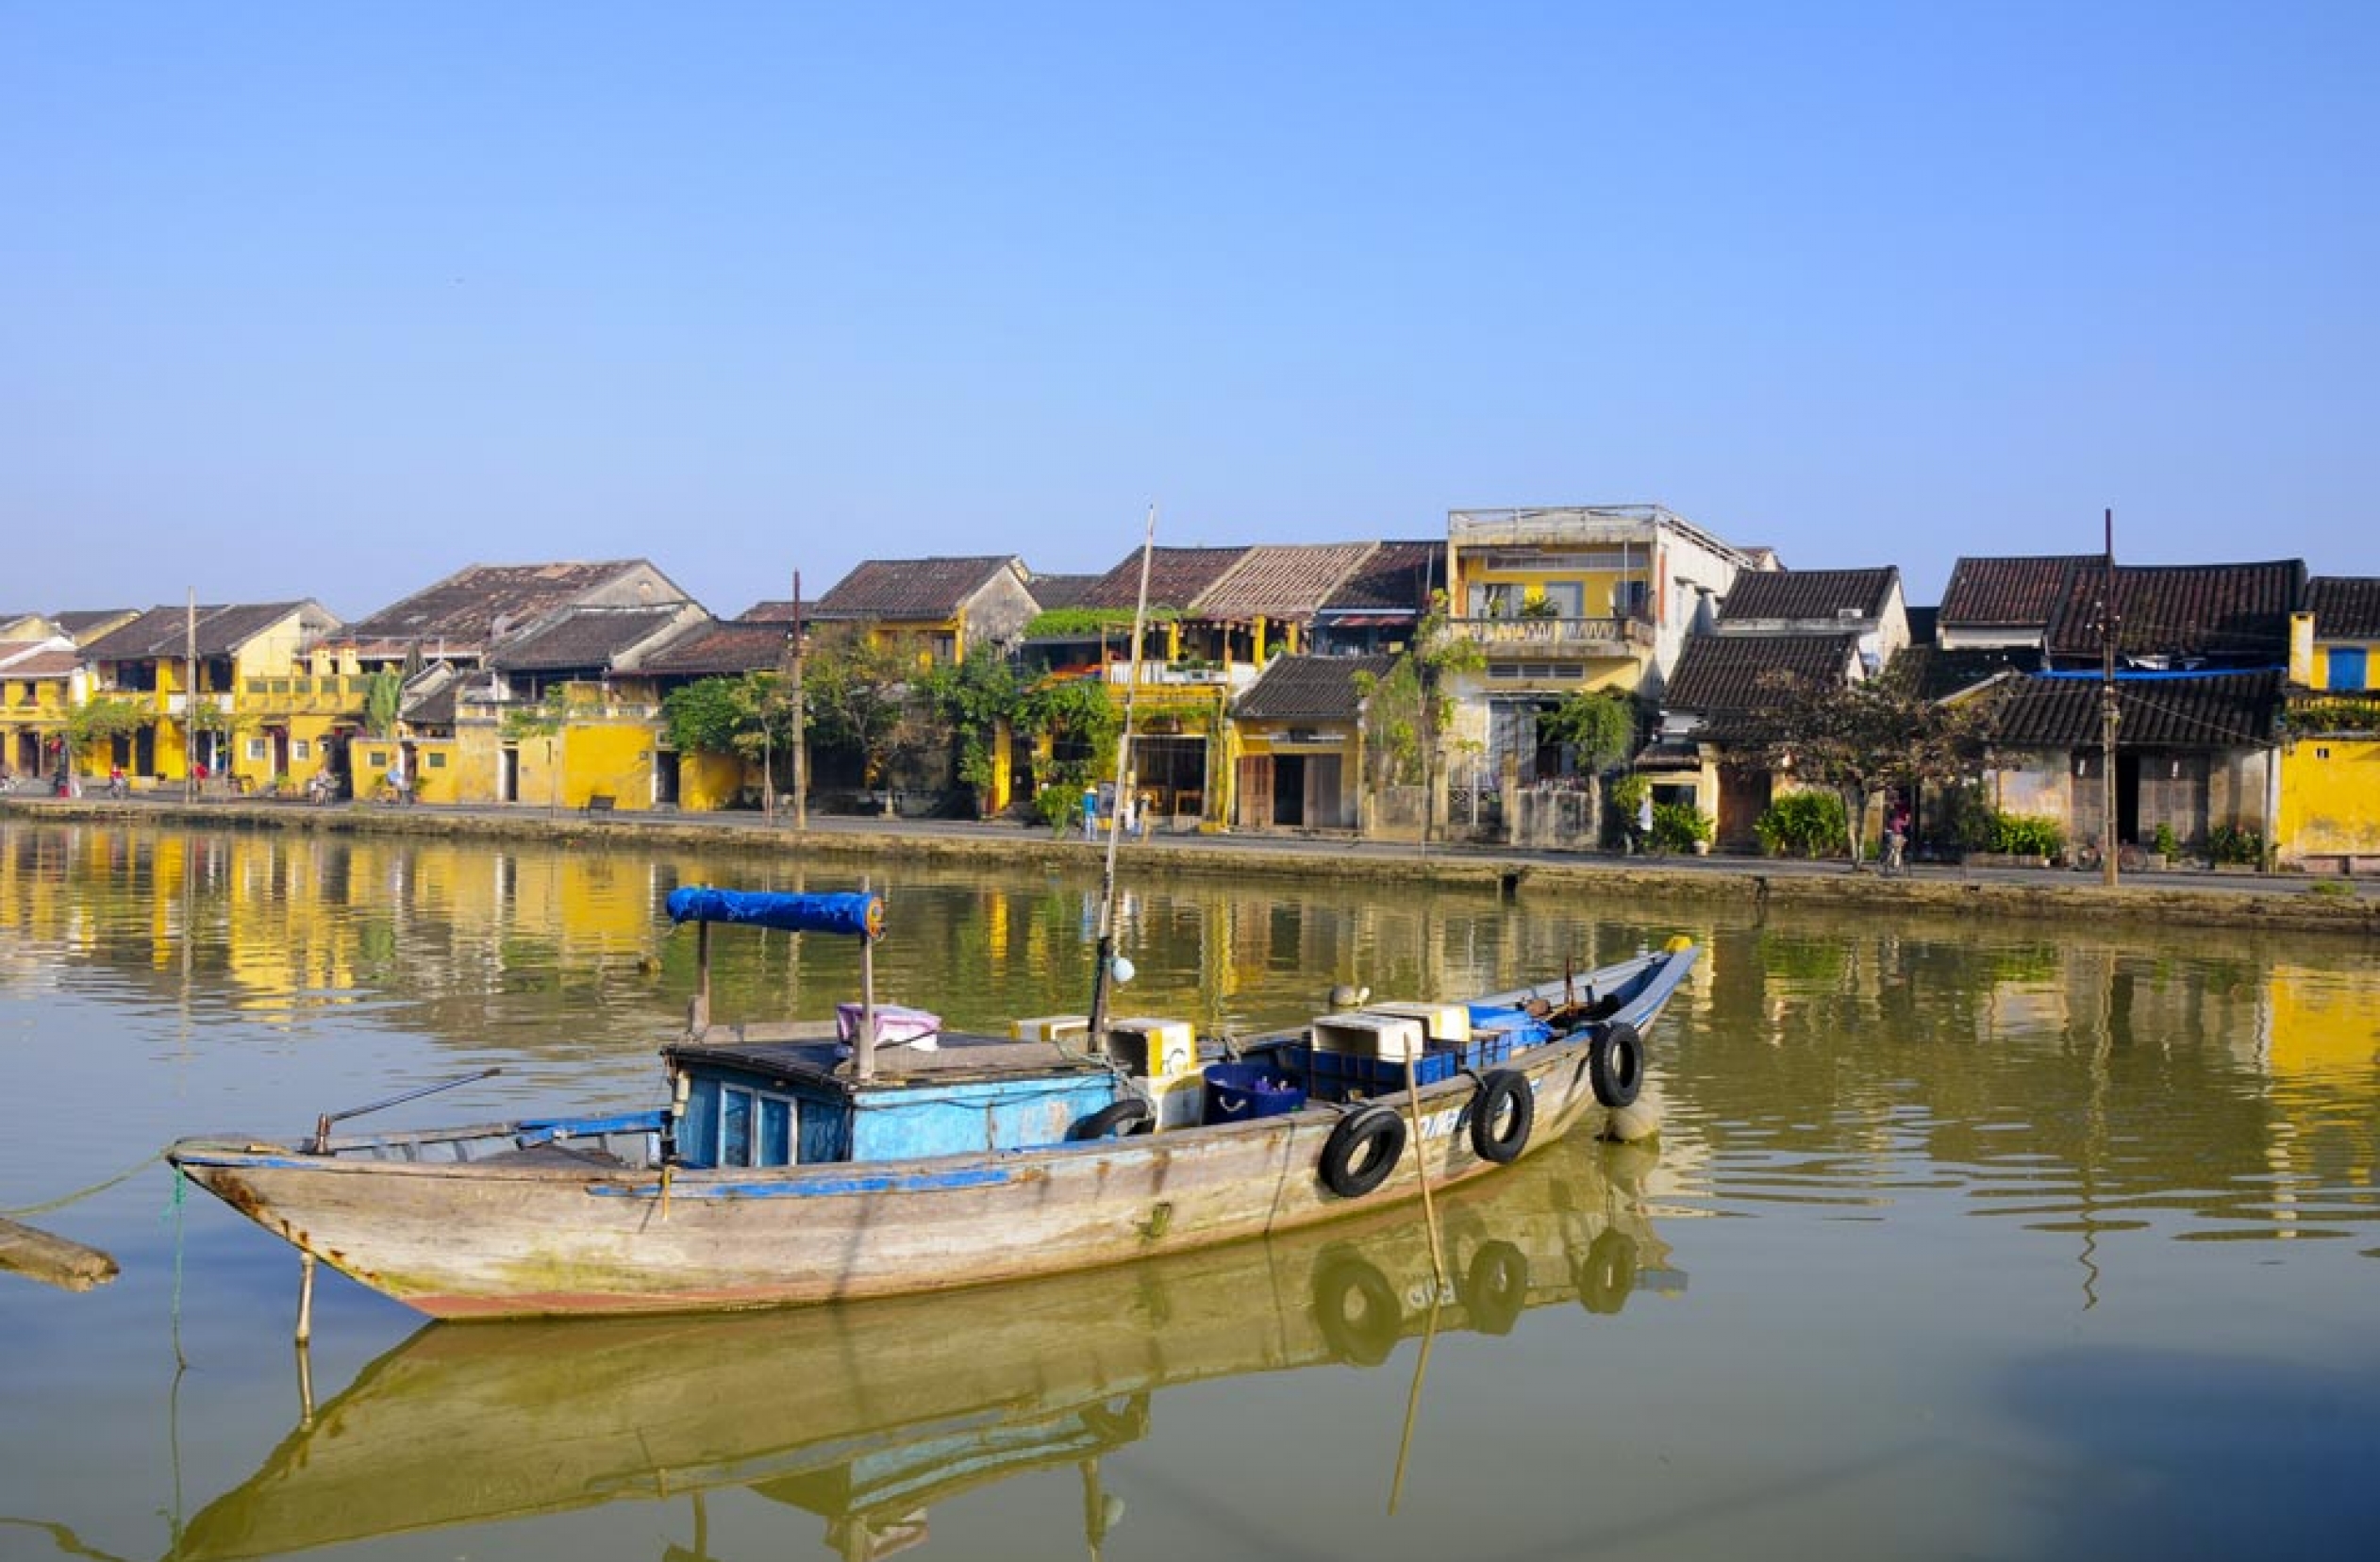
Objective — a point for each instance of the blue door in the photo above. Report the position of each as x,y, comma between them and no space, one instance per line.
2347,667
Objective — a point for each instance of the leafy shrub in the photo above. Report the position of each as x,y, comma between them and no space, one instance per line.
1060,807
2228,843
2165,843
1804,824
2026,834
2335,888
1677,826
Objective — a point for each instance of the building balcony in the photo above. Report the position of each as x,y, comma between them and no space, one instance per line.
1567,637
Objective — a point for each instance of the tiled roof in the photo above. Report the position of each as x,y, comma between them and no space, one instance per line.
165,632
77,623
715,648
37,659
1304,689
1807,594
1722,673
1060,591
583,638
2204,710
781,611
1936,673
1397,578
2008,592
2240,612
2345,607
1279,580
1177,577
911,589
475,604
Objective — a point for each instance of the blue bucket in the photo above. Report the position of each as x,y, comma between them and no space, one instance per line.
1237,1091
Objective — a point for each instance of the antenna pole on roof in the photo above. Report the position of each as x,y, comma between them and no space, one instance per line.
2109,714
1106,954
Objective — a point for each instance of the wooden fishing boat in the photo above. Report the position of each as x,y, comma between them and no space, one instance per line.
805,1163
871,1415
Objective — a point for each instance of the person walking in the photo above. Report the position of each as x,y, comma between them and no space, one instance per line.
1091,813
1896,840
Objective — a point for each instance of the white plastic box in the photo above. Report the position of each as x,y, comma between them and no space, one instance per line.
1439,1022
1072,1029
1371,1035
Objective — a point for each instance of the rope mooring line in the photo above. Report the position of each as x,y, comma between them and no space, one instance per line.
129,1171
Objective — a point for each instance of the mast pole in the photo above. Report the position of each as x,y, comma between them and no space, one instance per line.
2109,714
801,738
1102,978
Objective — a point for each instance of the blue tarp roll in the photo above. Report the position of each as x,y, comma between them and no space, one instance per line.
858,915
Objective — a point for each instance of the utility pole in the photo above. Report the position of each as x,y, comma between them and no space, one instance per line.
801,732
190,699
2108,715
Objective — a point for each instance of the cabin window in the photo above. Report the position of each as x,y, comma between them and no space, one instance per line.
737,1125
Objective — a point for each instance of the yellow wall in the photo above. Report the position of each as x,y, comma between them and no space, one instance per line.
611,756
2319,678
2330,798
708,781
1598,589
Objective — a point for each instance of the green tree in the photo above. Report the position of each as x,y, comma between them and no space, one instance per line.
101,722
383,702
1408,710
975,698
1082,725
858,695
1860,739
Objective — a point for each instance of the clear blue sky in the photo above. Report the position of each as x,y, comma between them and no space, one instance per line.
330,300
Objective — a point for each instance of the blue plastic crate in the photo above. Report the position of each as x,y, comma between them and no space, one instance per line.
1237,1091
1338,1076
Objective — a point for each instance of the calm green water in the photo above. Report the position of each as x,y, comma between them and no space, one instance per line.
1962,1239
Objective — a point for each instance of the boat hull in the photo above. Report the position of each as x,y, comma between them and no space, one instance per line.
472,1240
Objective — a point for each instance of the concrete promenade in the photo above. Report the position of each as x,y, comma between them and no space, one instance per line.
2185,897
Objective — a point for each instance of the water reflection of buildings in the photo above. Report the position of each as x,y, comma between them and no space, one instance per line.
870,1416
2109,1079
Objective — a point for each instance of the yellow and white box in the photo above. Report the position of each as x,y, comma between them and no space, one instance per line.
1155,1049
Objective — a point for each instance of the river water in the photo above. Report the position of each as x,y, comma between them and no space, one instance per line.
1961,1239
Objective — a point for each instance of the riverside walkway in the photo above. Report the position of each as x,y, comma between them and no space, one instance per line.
2292,901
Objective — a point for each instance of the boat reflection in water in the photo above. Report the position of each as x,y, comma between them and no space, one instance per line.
868,1414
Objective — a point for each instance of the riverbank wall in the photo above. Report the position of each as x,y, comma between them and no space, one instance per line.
2330,907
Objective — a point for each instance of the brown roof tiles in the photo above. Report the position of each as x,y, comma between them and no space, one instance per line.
1809,594
911,589
2345,607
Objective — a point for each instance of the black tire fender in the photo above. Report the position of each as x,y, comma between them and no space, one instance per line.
1502,1114
1357,1309
1129,1115
1362,1150
1496,1287
1607,1275
1615,1064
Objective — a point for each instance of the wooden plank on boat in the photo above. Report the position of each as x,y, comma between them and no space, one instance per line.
53,1260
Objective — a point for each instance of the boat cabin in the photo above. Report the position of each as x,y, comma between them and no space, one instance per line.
798,1103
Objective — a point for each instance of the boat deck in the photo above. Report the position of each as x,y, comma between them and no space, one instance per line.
808,1050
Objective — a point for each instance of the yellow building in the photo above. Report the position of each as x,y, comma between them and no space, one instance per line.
2330,761
946,607
247,690
37,681
1563,600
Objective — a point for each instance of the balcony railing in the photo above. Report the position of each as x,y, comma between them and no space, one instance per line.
1617,636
